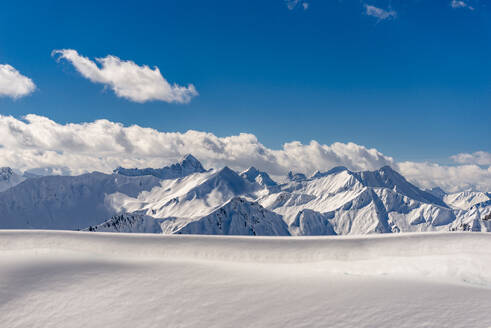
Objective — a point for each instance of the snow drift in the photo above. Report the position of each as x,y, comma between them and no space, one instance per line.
82,279
457,256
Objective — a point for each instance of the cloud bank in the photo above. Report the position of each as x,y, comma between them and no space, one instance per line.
36,142
379,13
127,79
478,158
13,84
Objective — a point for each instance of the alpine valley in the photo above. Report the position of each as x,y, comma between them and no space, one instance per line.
186,198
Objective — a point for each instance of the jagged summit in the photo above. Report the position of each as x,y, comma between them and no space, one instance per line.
188,165
386,177
236,217
189,161
334,170
296,176
254,175
225,181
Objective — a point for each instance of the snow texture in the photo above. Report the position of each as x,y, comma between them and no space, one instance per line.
79,279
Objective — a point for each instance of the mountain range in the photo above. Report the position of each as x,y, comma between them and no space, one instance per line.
185,198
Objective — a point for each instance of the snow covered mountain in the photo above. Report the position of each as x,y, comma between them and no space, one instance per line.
466,199
8,178
461,200
186,198
188,165
66,202
262,178
237,217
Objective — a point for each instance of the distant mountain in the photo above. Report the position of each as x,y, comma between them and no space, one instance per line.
296,176
466,199
186,198
386,177
8,178
344,202
262,178
66,202
236,217
188,165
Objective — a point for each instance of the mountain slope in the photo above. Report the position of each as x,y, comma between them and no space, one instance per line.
66,202
348,202
237,217
8,178
466,199
188,165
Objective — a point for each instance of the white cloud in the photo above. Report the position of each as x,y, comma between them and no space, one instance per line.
379,13
13,84
449,178
38,142
460,4
102,145
478,158
127,79
292,4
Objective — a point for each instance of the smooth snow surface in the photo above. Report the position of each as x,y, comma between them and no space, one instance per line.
80,279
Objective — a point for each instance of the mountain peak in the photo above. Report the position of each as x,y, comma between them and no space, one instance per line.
334,170
252,171
296,176
254,175
387,177
189,159
188,165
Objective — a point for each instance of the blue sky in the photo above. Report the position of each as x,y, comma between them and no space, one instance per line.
416,86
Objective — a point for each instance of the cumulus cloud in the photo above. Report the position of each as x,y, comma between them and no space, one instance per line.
478,158
13,84
292,4
460,4
379,13
127,79
449,178
37,142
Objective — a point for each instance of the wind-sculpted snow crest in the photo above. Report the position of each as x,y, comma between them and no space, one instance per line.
457,257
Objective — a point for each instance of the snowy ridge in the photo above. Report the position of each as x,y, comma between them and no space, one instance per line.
188,165
466,199
135,223
262,178
237,217
436,255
